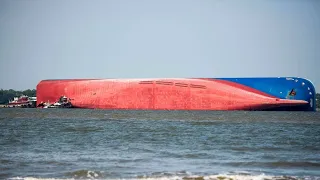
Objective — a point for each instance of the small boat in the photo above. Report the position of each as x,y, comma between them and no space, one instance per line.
63,102
23,101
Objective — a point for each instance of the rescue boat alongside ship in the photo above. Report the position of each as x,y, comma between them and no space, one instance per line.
274,93
63,102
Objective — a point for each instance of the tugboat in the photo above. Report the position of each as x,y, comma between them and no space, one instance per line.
23,102
63,102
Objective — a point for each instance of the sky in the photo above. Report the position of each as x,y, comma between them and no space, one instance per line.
66,39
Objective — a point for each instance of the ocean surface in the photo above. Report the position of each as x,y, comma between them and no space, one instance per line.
180,145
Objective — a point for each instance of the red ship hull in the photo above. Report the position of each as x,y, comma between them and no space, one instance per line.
160,94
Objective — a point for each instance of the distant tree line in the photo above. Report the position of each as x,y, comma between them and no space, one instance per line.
6,95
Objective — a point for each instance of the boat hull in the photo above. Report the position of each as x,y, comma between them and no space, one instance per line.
183,93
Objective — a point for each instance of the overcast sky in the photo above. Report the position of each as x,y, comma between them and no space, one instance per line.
60,39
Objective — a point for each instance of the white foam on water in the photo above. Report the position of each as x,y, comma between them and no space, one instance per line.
32,178
93,175
239,177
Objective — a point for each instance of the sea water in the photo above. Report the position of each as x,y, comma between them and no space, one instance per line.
182,145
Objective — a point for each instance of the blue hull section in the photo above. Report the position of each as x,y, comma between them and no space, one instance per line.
283,88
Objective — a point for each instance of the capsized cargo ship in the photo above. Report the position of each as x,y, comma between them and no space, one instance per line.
259,93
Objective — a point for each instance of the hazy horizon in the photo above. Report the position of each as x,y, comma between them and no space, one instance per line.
73,39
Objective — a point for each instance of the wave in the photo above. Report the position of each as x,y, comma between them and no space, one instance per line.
283,164
82,129
89,175
83,174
